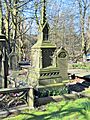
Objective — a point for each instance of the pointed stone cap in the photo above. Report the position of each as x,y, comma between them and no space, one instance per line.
62,53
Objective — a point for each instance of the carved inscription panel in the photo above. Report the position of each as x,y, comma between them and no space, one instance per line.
47,57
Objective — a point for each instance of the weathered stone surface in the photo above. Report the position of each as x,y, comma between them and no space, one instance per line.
13,60
44,66
3,65
62,62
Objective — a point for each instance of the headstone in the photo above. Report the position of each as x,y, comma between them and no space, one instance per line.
62,62
13,60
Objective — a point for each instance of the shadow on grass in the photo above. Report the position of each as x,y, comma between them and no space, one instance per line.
87,77
59,114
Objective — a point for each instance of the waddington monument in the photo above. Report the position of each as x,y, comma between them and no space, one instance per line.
43,56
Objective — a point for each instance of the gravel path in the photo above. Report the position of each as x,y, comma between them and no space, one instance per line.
79,72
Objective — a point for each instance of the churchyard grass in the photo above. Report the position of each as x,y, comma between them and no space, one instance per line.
85,66
64,110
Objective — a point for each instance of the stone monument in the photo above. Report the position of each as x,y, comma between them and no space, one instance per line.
3,62
45,70
13,59
62,62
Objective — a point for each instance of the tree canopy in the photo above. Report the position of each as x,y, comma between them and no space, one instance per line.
69,24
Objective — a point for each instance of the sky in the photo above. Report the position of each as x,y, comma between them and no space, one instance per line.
55,7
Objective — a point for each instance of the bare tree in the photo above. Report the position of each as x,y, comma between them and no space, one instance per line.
83,7
2,27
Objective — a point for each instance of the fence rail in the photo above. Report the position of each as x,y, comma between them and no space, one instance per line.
16,98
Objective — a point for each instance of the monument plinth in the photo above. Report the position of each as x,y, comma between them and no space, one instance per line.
43,58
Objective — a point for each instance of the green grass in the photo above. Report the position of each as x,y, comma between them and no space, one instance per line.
87,91
64,110
85,66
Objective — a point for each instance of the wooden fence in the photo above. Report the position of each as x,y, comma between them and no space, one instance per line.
16,99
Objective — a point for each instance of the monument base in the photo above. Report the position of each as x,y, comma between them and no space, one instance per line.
45,76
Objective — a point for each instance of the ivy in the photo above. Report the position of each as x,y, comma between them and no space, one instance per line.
45,92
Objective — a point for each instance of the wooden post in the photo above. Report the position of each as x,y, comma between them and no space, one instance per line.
31,98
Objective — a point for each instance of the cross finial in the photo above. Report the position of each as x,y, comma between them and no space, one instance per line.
44,22
43,11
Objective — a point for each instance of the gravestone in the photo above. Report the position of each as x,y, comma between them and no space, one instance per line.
62,62
45,70
13,60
